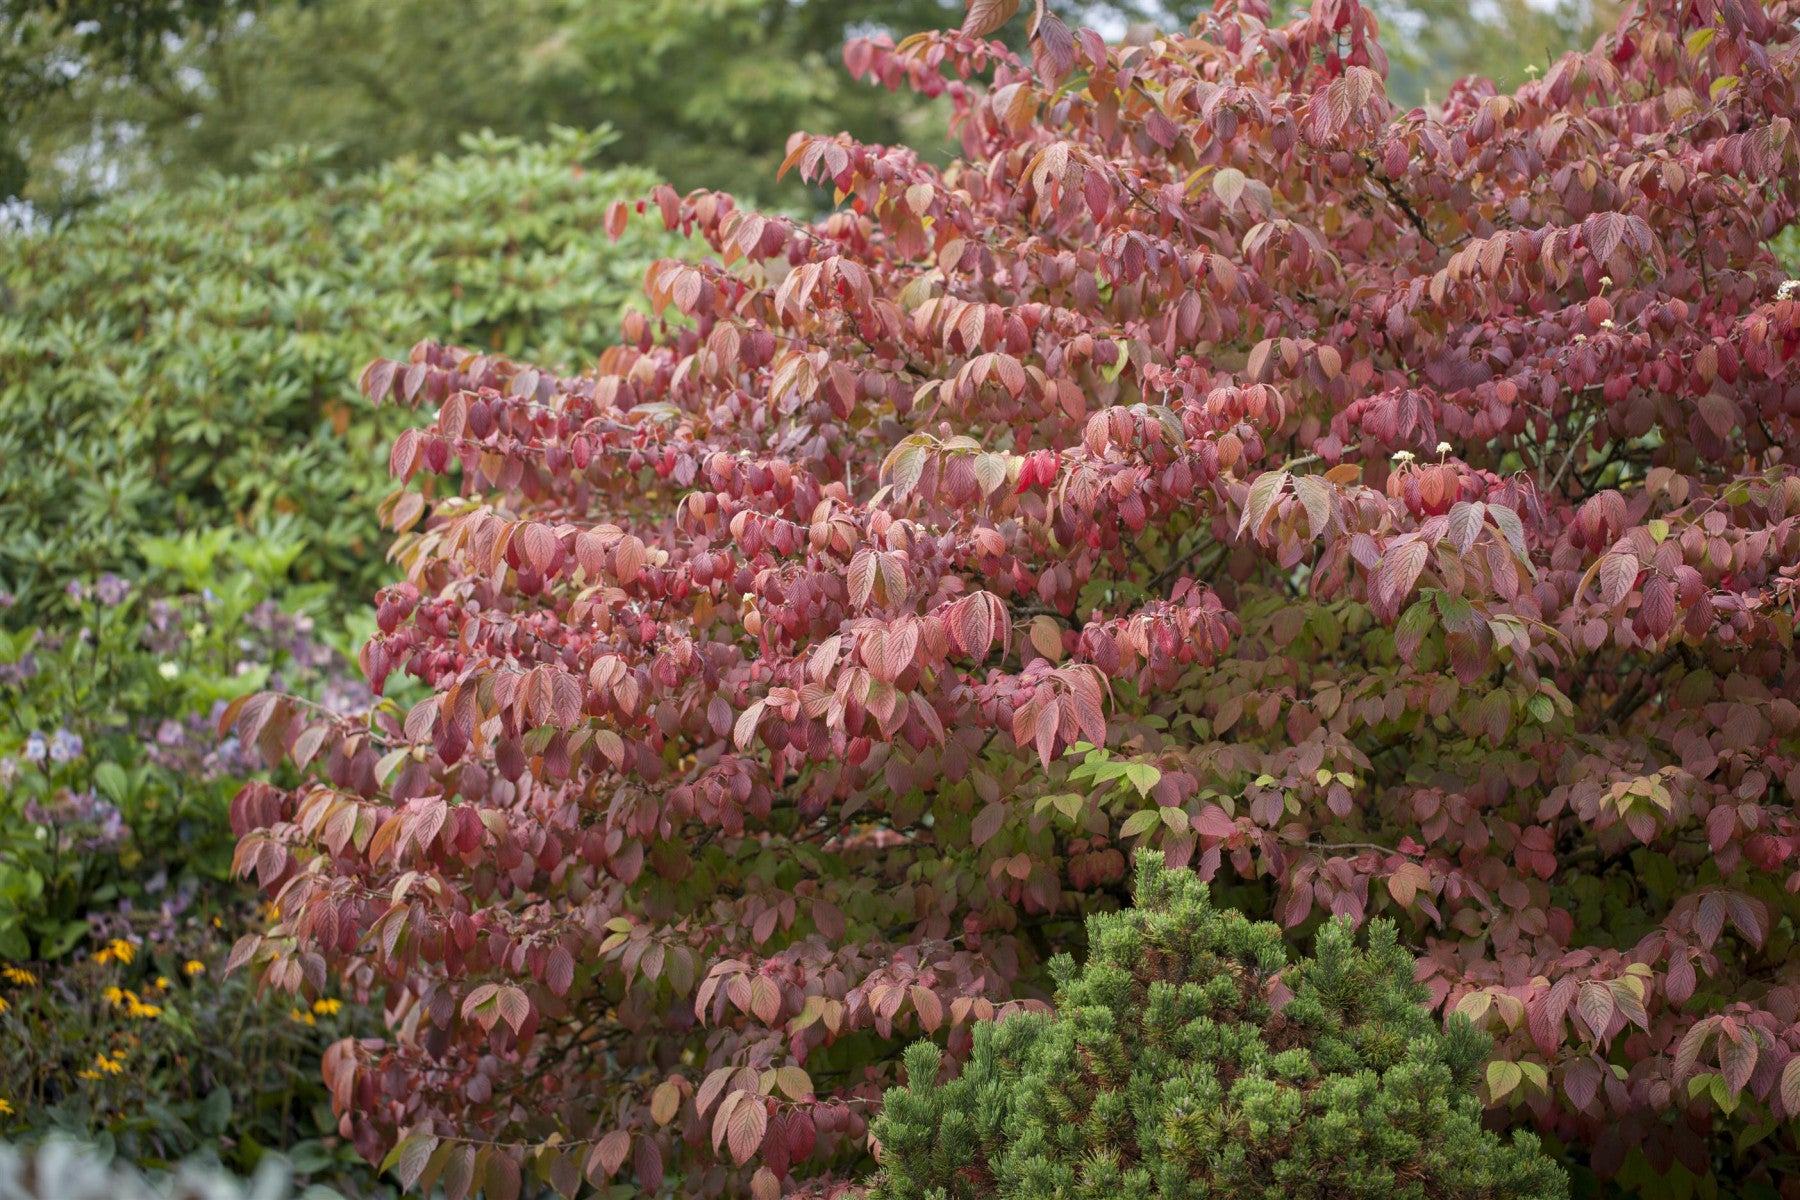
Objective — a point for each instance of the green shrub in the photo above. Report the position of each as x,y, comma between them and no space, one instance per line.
178,360
1170,1069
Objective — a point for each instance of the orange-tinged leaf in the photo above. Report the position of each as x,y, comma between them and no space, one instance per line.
665,1102
985,16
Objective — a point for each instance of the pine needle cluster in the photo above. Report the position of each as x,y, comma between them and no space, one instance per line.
1166,1071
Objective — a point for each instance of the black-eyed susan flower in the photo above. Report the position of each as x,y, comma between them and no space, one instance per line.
117,950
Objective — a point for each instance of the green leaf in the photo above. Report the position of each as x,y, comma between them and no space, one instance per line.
215,1111
1502,1078
1140,822
111,779
1142,776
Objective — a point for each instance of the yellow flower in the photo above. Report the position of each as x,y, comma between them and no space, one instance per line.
218,924
141,1011
88,1074
18,975
3,1004
327,1007
108,1065
114,995
118,949
6,1108
162,982
194,966
302,1016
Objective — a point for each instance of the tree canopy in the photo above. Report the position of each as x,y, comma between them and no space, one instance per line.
1382,512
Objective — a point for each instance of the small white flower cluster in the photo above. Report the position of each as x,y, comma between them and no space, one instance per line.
1788,290
1406,456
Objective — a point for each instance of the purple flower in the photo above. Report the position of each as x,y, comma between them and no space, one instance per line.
7,599
73,814
36,748
77,591
170,733
111,589
65,746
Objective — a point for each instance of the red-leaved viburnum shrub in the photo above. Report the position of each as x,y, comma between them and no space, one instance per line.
1399,501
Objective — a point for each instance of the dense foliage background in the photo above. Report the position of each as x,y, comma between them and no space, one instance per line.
1381,511
175,359
218,210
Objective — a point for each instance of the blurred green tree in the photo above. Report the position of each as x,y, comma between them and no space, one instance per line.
381,78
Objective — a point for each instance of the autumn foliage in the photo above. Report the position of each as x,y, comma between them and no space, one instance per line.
1377,512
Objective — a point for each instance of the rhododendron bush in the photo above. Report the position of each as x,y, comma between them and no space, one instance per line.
1375,512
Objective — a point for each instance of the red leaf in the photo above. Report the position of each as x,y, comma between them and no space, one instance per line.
607,1157
513,1006
1596,1006
748,1122
1545,1016
1618,573
559,973
628,559
502,1176
1737,1060
1399,571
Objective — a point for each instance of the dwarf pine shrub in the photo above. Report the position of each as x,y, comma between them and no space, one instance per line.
1169,1070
